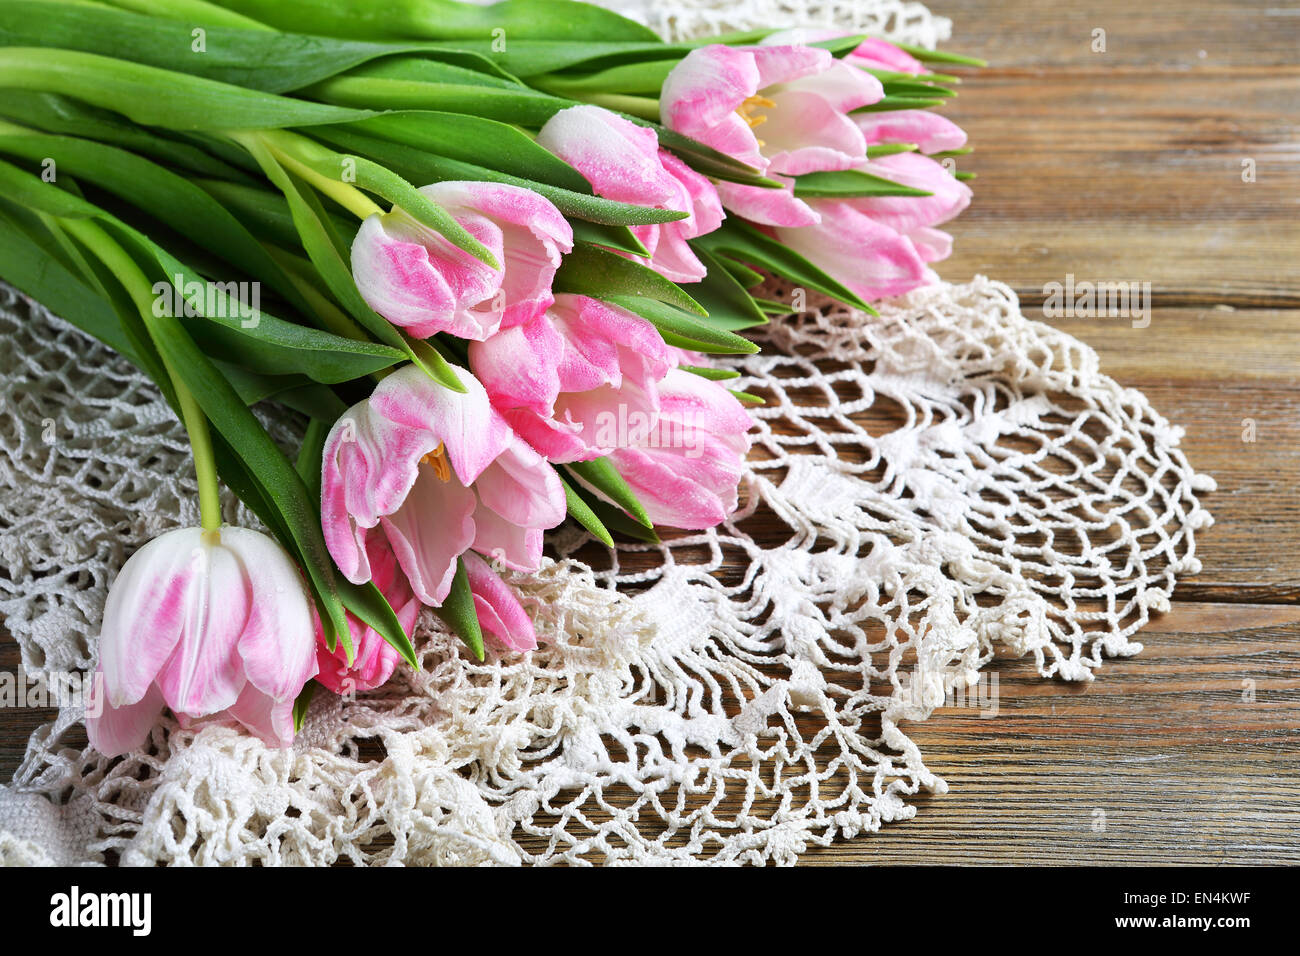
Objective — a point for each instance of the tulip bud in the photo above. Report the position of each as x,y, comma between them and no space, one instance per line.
214,625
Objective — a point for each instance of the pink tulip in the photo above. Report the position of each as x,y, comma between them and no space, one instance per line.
800,96
576,382
418,280
869,54
880,246
949,195
623,162
872,259
374,658
214,625
435,472
687,470
499,612
931,132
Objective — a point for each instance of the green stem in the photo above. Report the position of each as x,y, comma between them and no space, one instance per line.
197,11
349,197
138,287
642,106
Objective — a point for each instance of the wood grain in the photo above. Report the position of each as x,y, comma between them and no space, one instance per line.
1173,35
1126,165
1134,176
1188,752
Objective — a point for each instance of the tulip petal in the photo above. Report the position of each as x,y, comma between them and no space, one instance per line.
372,454
870,258
264,716
805,134
518,548
144,615
522,488
770,207
204,673
619,158
880,54
417,279
785,64
932,245
704,90
433,526
950,196
498,607
519,366
931,132
534,237
278,643
119,730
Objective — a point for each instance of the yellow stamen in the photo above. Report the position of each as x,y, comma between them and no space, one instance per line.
437,460
746,110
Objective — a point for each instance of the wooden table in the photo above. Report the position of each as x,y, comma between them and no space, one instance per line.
1127,165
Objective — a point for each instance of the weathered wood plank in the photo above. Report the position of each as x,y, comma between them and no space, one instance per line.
1190,35
1165,758
1134,177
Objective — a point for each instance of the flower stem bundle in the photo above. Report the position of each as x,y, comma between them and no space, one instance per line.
482,256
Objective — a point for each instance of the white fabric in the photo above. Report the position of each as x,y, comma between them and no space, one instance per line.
929,488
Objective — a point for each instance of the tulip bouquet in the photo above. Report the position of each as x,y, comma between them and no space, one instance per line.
478,256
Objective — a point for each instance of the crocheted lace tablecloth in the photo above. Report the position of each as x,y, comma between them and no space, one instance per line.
929,488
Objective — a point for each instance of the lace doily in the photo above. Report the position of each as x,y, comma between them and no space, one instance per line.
929,488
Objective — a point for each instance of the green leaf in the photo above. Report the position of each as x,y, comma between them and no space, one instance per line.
890,103
383,182
742,273
712,374
619,238
419,165
613,519
311,454
301,703
368,604
915,87
645,78
27,264
726,300
742,241
474,139
254,387
683,330
581,58
706,160
154,97
889,149
581,512
591,270
259,59
508,105
445,19
938,56
325,249
850,183
458,612
601,475
167,197
54,113
262,343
